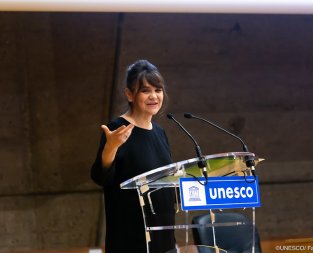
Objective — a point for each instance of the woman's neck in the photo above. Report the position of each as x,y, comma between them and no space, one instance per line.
138,120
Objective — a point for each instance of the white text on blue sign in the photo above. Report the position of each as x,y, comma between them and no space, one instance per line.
219,193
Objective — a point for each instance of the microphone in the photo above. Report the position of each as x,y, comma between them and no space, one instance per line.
249,162
202,162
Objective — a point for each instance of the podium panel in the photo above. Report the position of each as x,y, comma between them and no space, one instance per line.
164,183
224,164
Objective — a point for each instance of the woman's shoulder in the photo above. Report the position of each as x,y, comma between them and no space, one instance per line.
117,122
156,127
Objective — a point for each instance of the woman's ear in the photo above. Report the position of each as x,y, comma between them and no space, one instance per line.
129,95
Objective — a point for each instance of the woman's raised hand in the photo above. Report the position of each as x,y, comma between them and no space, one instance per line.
119,136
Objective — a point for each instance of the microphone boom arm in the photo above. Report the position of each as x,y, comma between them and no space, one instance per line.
249,163
202,162
244,146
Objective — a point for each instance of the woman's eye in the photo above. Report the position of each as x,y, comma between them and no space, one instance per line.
145,90
148,90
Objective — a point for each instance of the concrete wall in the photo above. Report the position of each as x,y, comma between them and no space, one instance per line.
61,77
56,75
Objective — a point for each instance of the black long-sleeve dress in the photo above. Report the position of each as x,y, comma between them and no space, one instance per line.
143,151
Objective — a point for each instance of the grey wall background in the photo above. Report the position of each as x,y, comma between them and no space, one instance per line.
61,76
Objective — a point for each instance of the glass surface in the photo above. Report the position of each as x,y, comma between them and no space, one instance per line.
190,226
224,164
196,249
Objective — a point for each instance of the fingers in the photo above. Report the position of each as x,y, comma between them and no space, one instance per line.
128,129
125,131
122,133
105,129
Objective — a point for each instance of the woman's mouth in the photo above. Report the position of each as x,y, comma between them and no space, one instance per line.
152,103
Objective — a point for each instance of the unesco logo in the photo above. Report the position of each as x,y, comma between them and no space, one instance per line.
229,193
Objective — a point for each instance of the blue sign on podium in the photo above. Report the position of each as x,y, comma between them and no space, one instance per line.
219,193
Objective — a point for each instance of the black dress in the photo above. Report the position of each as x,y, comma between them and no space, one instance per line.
143,151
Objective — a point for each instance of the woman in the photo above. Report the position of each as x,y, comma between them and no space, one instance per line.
131,145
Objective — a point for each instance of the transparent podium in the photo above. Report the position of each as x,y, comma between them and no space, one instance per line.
168,178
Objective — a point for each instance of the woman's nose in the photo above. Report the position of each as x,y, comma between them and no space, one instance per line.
153,95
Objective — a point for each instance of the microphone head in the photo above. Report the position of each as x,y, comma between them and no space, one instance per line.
187,115
170,116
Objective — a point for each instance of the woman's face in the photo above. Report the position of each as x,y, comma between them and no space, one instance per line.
147,101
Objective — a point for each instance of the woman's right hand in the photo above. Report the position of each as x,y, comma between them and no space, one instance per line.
117,137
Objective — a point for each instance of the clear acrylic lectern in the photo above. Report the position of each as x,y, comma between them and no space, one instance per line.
224,164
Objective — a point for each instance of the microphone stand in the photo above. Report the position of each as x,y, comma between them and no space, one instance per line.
202,161
249,162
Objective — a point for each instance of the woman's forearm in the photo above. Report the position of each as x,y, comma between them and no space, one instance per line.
108,155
